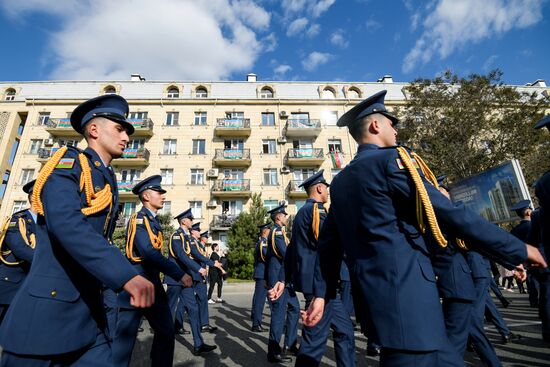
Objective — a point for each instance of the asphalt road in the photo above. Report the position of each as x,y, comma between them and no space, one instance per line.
238,346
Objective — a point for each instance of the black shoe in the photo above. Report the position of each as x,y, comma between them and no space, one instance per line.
510,338
205,348
292,350
505,302
278,358
373,351
182,332
208,328
258,329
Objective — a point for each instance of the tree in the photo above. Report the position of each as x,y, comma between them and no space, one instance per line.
462,126
242,238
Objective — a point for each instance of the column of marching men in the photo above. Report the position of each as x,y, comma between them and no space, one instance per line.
392,250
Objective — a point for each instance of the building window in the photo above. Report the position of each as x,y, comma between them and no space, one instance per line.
334,145
201,92
236,144
269,146
136,144
68,143
43,118
10,95
4,183
13,151
109,90
328,93
169,146
270,204
233,174
19,205
26,176
199,146
196,208
197,176
36,144
167,175
266,93
166,208
268,119
130,175
200,118
172,118
142,115
232,207
173,92
300,174
302,144
270,177
330,117
354,93
234,115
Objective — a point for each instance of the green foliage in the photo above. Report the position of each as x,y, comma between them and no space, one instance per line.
242,238
462,126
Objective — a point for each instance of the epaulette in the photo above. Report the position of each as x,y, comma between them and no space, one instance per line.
278,233
19,213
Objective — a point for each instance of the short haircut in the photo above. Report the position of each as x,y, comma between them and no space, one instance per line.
358,128
214,245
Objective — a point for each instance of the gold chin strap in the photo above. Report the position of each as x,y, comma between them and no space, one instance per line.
423,203
274,246
95,201
156,240
30,241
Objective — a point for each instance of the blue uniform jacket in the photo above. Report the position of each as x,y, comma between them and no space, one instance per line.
259,264
197,255
454,276
276,250
153,262
59,307
182,260
521,231
542,191
301,253
373,220
11,276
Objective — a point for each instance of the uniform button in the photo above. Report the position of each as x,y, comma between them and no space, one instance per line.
54,293
6,278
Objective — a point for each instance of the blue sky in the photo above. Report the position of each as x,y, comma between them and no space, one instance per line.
332,40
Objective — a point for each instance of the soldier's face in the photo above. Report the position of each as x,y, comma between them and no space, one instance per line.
156,199
187,223
113,137
388,134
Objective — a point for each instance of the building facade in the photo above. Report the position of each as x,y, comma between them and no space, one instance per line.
214,143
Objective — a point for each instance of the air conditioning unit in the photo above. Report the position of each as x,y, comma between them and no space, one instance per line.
281,140
212,203
212,173
48,142
285,169
283,114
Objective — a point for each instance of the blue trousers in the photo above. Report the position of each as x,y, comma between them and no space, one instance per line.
185,297
175,302
347,299
258,302
97,355
482,345
457,315
493,315
445,356
202,300
111,311
314,339
544,304
533,287
285,305
160,319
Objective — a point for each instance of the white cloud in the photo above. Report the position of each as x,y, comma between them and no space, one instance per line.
338,39
269,42
315,8
319,7
372,25
297,26
489,64
313,30
282,69
315,59
165,39
451,25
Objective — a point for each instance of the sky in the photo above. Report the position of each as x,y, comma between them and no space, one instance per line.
309,40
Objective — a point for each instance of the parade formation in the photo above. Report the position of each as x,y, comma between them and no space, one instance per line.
381,250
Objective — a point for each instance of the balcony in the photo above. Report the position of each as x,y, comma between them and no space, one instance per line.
45,153
223,222
60,127
303,127
133,158
305,157
231,188
232,127
232,157
143,127
122,220
125,189
295,192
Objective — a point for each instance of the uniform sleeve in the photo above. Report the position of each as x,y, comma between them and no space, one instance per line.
330,254
15,242
489,239
70,228
197,255
534,235
153,256
177,248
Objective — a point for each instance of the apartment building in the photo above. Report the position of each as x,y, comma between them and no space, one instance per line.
214,143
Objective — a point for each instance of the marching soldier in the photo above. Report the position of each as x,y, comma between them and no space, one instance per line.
17,243
183,298
144,240
299,262
285,303
260,292
384,215
57,317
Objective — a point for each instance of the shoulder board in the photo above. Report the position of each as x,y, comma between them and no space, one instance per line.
139,220
278,233
20,213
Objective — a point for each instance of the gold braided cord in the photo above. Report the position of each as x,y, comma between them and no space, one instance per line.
170,247
274,246
423,203
186,249
199,247
4,254
316,222
262,245
95,202
156,240
30,241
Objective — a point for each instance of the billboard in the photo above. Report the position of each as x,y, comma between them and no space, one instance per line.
491,193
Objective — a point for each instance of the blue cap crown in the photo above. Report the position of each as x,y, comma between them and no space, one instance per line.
205,234
277,210
314,179
110,106
371,105
523,204
262,226
196,227
544,122
150,183
186,214
27,188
